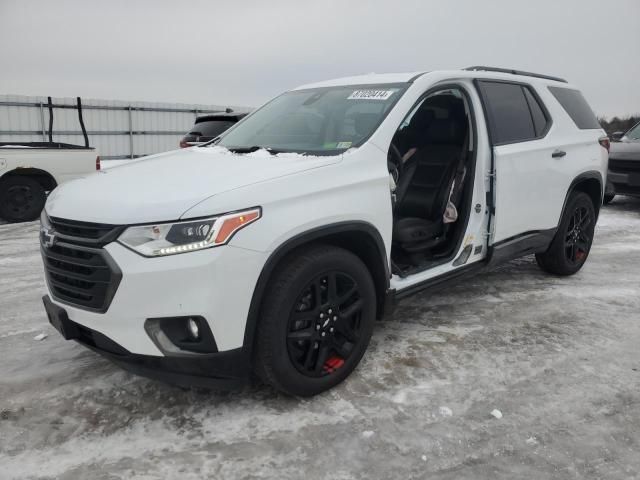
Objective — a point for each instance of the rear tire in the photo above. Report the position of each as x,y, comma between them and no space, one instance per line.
571,245
608,198
316,320
21,199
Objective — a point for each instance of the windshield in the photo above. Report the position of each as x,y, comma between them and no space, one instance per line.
634,133
320,121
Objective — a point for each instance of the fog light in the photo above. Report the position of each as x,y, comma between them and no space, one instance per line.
194,330
184,335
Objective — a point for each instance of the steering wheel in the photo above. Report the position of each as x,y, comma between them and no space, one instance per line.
395,165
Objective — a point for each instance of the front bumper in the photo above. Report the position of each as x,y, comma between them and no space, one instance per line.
221,370
216,284
624,176
622,184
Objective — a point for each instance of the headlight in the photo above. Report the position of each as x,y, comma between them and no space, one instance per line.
44,221
178,237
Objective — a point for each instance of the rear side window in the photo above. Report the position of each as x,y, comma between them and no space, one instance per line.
576,106
515,113
539,118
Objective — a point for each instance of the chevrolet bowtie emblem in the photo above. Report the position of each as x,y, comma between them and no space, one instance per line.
48,238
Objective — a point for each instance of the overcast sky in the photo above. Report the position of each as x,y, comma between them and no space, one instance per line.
244,52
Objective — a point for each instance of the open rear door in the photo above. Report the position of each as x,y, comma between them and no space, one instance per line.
525,181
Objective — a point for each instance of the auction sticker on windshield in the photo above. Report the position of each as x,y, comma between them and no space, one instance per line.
370,94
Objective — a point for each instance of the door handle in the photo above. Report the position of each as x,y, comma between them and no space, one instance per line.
558,154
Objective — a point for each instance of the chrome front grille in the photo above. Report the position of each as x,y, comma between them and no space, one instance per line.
78,270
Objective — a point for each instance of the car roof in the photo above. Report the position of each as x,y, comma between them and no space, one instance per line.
368,79
471,72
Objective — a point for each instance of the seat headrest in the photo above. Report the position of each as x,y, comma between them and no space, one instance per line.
414,132
446,131
421,120
453,104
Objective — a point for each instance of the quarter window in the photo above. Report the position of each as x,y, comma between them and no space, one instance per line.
576,106
515,114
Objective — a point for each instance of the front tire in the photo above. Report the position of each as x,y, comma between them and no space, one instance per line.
21,199
316,320
571,245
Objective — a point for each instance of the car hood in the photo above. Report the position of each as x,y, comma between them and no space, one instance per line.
162,187
625,151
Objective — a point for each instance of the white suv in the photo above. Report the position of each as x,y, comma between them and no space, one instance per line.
273,248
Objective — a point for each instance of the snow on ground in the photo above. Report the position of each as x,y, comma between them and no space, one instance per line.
557,357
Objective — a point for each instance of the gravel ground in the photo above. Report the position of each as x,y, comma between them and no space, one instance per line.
558,357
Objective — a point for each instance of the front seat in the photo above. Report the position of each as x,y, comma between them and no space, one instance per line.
423,199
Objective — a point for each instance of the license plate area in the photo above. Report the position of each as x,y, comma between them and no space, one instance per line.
59,319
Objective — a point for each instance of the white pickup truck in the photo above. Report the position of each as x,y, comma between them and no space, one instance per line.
28,171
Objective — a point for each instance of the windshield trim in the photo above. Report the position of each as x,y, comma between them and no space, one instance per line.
401,86
355,86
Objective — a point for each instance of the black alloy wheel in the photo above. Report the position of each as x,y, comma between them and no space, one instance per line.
577,239
571,244
324,325
315,321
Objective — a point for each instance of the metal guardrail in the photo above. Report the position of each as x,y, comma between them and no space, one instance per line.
111,107
44,131
95,132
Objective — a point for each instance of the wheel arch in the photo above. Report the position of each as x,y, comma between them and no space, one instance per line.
590,183
360,238
44,178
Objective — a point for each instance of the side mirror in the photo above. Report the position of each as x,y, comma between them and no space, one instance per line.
616,136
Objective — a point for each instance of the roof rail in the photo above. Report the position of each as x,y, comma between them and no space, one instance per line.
480,68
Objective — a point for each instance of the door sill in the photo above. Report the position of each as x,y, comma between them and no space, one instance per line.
400,283
439,280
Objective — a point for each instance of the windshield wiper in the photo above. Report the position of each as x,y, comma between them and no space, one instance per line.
253,148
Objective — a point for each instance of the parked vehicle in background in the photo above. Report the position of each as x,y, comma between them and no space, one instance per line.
632,135
274,248
30,170
208,127
623,177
